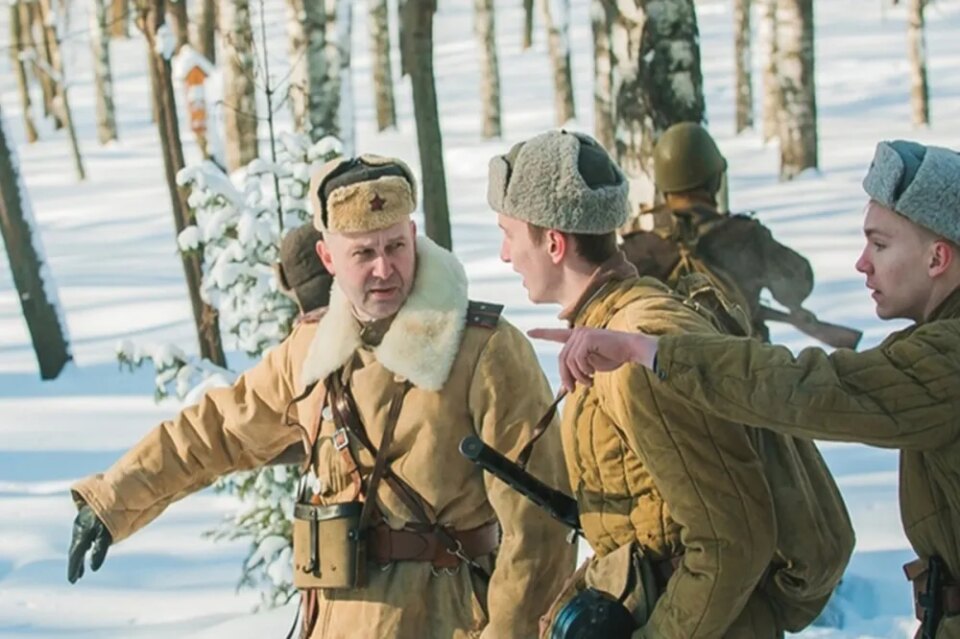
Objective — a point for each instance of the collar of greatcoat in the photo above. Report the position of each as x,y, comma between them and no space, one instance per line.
424,338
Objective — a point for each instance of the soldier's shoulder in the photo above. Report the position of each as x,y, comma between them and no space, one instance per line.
483,314
656,309
483,322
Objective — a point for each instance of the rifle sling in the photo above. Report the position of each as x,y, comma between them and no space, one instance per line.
539,430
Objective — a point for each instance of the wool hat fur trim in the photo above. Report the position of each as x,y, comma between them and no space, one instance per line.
366,205
544,186
931,199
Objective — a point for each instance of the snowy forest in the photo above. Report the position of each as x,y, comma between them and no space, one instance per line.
153,154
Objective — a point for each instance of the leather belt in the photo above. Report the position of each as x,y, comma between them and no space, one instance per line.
387,545
916,572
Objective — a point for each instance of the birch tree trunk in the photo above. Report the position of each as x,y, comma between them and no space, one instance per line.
556,15
120,18
205,317
17,50
657,82
103,77
177,10
378,17
484,27
342,32
316,82
43,63
239,90
743,56
528,9
417,42
601,18
297,40
61,99
771,85
916,39
206,30
795,71
31,275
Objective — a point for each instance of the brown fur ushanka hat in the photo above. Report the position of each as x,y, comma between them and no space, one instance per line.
367,193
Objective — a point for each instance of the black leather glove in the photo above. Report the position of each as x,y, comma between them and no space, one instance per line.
89,533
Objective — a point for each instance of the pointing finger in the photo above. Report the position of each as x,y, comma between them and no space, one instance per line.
560,335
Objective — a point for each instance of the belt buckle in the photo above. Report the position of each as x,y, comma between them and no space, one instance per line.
341,438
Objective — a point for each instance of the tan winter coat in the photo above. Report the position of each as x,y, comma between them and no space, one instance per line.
903,394
647,467
466,380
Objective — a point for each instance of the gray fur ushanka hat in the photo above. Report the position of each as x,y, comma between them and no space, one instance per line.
560,180
921,183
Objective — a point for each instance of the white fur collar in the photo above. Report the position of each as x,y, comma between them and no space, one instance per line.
424,338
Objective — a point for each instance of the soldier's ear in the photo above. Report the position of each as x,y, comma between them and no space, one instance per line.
559,245
941,257
323,252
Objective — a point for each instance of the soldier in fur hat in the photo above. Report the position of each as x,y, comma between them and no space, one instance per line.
395,535
675,505
903,394
301,276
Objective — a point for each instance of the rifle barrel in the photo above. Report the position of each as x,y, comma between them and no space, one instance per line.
561,507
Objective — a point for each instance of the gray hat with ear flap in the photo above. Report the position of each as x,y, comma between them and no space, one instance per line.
560,180
921,183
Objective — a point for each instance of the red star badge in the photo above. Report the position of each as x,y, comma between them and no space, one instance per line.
376,204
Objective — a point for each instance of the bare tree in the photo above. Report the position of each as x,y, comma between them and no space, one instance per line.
103,77
204,35
205,317
417,60
743,56
379,26
484,27
527,24
556,16
31,276
919,90
657,82
17,52
795,72
320,99
239,88
601,18
177,12
302,50
42,60
56,72
771,83
120,18
340,33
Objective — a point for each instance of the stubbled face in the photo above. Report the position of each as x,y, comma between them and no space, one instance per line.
375,270
532,261
895,261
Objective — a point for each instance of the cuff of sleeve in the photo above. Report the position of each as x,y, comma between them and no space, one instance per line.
666,347
91,491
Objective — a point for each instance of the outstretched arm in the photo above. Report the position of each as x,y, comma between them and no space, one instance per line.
904,395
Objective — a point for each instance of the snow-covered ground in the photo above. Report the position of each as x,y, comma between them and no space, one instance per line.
110,244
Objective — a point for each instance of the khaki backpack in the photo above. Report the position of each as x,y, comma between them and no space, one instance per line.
814,535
